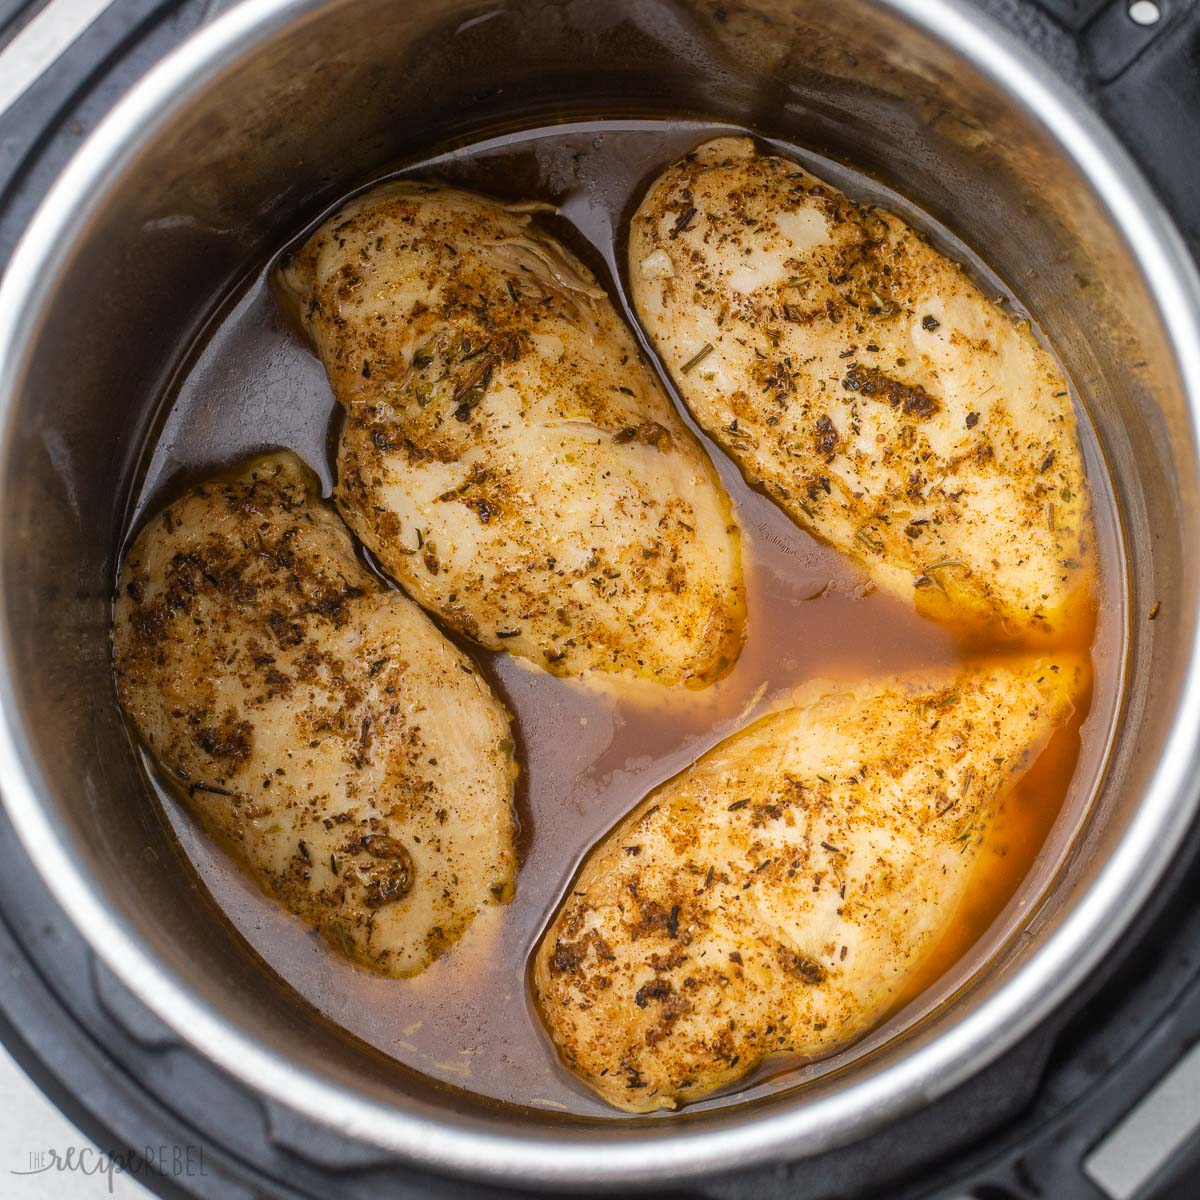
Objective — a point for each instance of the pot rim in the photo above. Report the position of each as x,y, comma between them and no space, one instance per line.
559,1157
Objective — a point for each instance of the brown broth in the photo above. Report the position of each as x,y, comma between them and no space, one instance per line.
590,753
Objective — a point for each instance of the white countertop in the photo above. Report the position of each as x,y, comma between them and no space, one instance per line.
31,1128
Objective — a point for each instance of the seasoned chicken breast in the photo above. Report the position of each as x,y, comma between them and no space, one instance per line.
318,724
863,381
507,454
777,896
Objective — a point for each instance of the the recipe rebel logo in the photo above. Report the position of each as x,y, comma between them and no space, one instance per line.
170,1162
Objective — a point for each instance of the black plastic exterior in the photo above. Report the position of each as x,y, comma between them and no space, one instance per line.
1146,82
1019,1131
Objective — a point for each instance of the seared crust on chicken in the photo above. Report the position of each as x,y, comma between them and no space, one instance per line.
777,896
507,453
317,723
862,380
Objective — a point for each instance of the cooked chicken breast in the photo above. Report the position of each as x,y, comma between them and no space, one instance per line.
507,454
318,724
777,896
863,381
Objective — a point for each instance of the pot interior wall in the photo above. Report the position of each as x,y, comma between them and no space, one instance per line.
338,94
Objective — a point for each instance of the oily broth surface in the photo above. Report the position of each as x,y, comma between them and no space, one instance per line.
590,753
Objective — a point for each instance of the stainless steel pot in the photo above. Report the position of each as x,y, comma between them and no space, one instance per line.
281,105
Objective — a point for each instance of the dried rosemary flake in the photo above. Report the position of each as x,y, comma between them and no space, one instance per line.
683,221
193,788
697,358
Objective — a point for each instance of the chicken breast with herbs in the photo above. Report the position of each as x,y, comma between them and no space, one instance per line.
507,454
778,896
319,725
866,384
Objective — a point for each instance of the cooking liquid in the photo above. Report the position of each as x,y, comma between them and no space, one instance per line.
590,752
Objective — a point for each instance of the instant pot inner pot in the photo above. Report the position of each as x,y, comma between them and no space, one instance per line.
236,155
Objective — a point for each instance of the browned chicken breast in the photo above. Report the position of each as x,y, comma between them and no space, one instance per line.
777,896
507,454
863,381
318,723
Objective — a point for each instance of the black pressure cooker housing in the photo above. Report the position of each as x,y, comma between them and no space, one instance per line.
1020,1130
